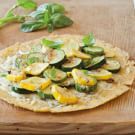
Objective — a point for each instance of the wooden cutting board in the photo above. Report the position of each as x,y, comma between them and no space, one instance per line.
109,20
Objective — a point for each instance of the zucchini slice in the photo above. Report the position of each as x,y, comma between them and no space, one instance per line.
112,65
69,82
55,74
71,63
82,78
21,90
96,62
86,63
94,50
34,58
101,74
55,57
36,68
85,88
45,95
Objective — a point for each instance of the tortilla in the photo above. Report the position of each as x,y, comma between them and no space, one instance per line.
105,92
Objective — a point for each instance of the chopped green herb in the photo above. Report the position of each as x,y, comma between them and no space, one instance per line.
53,72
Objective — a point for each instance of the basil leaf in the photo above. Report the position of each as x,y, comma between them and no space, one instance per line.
52,8
30,26
89,40
56,8
59,20
47,17
52,44
27,4
37,15
43,7
50,27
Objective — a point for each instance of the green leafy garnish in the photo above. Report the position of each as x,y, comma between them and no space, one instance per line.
52,44
32,60
89,40
52,15
44,96
59,20
10,17
30,26
52,8
47,15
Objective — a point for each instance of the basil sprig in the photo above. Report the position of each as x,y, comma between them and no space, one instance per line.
51,15
10,17
48,15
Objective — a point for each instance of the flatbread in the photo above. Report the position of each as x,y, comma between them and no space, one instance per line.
105,92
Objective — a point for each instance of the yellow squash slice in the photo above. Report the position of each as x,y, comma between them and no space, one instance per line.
16,77
81,78
36,68
63,95
80,54
101,74
34,83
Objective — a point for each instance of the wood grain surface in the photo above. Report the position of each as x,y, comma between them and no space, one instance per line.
109,20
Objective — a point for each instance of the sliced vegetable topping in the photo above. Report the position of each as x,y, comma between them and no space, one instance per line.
94,50
112,65
101,74
80,54
16,77
63,95
69,82
36,68
55,74
81,78
86,63
67,63
20,90
34,58
97,62
54,57
71,63
85,88
34,83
